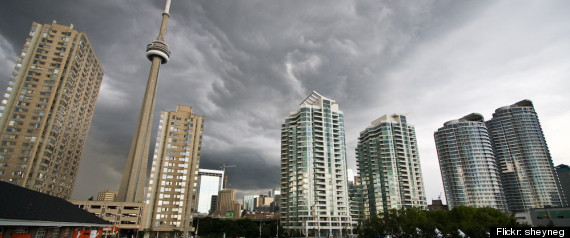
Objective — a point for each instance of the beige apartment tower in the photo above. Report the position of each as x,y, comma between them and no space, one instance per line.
172,191
47,109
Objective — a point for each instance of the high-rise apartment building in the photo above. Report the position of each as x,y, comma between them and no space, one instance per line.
527,173
388,163
209,184
314,190
468,168
47,109
172,190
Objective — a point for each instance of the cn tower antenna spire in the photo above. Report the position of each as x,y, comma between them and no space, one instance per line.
167,7
165,16
134,176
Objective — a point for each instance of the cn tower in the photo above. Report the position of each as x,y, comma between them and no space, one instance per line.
134,177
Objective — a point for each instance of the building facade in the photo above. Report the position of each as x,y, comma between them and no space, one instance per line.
47,109
563,172
274,192
123,215
437,205
263,200
209,184
527,173
213,203
468,168
172,190
226,204
388,163
107,195
356,199
249,202
314,189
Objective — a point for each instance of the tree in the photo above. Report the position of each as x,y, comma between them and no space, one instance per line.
415,222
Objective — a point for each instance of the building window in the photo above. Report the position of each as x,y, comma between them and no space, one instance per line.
41,233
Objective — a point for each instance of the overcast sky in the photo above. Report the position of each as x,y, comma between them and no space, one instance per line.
246,64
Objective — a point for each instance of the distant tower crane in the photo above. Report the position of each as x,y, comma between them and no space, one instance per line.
225,180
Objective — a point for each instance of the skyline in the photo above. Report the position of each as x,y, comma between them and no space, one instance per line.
246,65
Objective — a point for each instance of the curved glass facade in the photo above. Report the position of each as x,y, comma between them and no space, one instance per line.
527,172
468,168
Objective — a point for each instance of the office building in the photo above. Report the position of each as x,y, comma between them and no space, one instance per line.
226,205
47,109
527,173
468,168
274,192
107,195
249,202
563,172
388,163
209,184
213,203
314,189
263,204
274,205
173,184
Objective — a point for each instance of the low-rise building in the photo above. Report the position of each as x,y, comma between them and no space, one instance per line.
555,216
437,205
25,213
123,215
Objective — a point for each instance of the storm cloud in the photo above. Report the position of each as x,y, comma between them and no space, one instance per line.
246,64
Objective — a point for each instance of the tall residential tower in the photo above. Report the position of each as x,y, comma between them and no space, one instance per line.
527,173
47,109
389,166
468,168
314,189
172,190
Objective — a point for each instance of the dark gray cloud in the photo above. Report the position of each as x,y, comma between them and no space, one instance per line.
246,64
